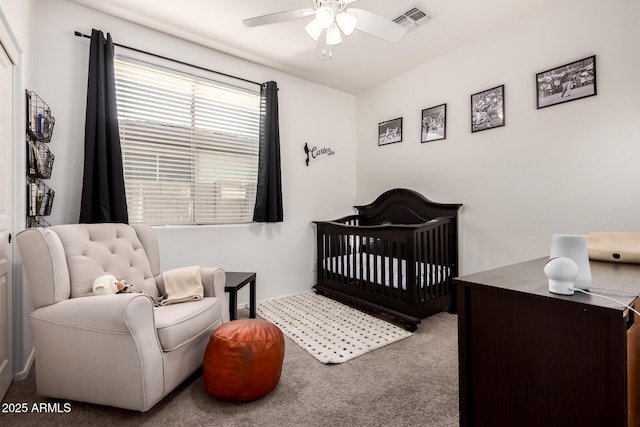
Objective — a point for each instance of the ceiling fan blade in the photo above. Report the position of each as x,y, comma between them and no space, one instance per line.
274,18
378,26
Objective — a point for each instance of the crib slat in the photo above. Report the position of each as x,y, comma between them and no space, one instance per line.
440,260
333,252
422,265
394,278
322,261
423,268
397,271
411,284
417,249
441,257
347,264
363,266
424,259
325,249
433,263
447,262
395,282
430,263
376,266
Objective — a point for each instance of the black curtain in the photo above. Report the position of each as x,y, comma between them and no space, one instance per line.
269,190
103,192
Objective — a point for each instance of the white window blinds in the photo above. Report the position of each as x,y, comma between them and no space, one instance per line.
189,146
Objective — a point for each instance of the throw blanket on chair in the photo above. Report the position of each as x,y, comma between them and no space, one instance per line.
182,285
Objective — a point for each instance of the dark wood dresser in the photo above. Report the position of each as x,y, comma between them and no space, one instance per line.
528,357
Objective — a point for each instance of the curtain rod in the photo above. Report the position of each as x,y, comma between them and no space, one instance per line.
79,34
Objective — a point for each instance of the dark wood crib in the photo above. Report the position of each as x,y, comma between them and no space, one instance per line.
397,256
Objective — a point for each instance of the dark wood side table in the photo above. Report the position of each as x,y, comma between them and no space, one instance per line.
528,357
235,282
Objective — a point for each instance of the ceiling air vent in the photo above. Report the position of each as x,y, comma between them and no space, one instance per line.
412,18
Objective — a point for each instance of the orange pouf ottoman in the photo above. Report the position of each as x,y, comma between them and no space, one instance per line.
243,360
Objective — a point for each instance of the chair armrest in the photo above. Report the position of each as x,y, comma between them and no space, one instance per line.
109,340
122,313
214,280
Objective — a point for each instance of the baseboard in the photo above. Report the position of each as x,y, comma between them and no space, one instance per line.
285,296
27,367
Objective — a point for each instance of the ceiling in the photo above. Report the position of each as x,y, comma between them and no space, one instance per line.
358,64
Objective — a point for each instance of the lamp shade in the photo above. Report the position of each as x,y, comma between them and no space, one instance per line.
574,247
346,22
314,29
333,36
325,16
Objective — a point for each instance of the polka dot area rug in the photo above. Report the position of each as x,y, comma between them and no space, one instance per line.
329,330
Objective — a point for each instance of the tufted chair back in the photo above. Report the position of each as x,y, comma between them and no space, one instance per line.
91,250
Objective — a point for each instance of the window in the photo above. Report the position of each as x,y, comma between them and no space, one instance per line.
189,146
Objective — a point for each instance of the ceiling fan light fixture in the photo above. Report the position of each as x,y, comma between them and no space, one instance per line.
325,16
313,29
346,22
333,36
332,20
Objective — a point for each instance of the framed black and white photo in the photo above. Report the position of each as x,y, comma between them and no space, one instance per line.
390,131
566,83
434,123
487,109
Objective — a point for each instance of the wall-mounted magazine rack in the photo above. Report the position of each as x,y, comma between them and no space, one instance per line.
40,123
39,160
40,198
36,221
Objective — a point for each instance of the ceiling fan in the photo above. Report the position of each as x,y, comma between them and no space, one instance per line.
332,18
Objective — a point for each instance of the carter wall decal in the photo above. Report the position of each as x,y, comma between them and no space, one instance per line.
315,152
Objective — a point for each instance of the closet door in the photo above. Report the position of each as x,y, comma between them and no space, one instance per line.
6,209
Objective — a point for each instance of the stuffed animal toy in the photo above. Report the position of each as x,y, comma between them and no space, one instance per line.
109,285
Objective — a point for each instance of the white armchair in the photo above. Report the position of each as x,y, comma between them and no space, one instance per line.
116,350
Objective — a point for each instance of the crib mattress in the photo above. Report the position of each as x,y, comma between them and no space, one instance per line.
372,270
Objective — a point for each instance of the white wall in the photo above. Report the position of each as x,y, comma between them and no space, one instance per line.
281,254
569,168
18,13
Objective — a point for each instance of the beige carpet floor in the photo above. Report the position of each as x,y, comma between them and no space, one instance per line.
413,382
